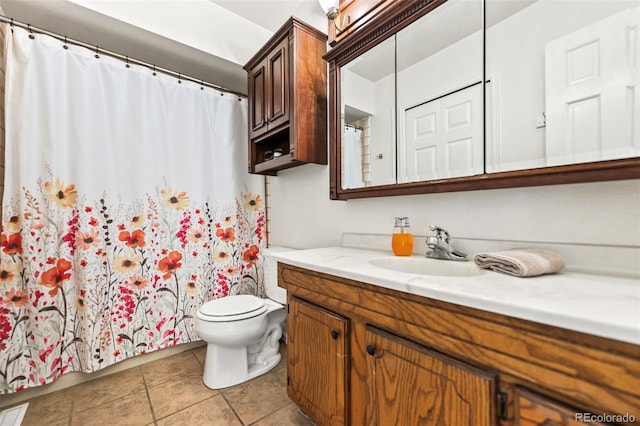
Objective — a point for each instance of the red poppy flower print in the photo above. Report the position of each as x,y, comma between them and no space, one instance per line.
228,234
55,277
251,255
133,239
170,264
12,244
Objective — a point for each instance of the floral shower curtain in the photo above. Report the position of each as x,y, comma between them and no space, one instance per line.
125,208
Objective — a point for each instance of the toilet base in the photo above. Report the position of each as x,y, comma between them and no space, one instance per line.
226,366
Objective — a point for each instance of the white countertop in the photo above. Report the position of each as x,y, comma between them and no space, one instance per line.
594,304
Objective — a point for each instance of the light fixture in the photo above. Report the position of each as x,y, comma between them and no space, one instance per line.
330,8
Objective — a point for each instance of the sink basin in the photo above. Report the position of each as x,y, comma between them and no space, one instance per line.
426,266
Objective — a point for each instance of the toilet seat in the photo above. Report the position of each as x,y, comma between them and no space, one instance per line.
234,308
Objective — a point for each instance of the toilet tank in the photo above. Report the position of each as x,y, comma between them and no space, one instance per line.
271,288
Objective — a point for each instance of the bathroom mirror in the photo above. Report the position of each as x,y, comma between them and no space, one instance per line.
539,94
396,128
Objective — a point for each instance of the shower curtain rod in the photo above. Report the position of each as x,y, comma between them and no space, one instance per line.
353,126
124,58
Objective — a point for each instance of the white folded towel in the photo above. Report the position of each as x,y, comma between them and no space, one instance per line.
521,262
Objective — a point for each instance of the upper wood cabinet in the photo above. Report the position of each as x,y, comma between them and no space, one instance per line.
287,82
268,82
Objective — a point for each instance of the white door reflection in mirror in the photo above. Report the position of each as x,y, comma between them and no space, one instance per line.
439,90
592,92
443,137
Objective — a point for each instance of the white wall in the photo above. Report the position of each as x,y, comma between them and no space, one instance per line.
449,69
590,214
357,92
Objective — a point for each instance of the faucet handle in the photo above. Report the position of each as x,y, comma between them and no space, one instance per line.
441,234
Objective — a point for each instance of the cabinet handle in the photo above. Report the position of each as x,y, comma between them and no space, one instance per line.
334,334
371,350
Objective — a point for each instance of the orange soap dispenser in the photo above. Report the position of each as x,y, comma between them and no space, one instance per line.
402,239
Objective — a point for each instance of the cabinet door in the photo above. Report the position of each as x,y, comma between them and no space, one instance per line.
317,354
258,100
278,85
535,410
412,385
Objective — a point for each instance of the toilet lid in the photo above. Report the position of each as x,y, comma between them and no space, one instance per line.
233,308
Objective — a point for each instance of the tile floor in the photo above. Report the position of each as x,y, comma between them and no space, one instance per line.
169,391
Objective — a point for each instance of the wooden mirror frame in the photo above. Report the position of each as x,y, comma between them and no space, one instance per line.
389,21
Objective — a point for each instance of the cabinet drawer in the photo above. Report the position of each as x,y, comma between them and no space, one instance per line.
536,410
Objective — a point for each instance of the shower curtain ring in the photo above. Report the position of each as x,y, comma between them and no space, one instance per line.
179,78
31,36
127,62
201,84
154,70
96,55
64,45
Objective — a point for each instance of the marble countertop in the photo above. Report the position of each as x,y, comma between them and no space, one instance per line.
594,304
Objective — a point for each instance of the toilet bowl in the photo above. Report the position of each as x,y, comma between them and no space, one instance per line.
242,333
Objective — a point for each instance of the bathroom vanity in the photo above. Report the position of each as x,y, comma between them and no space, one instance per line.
368,345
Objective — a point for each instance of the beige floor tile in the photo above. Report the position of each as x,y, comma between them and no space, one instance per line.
211,412
257,398
200,354
289,415
171,368
133,410
175,395
281,375
45,422
52,407
108,388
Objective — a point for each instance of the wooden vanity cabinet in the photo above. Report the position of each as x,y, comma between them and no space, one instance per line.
535,410
403,359
412,385
317,361
287,99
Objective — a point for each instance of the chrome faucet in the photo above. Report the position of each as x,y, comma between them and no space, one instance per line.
440,247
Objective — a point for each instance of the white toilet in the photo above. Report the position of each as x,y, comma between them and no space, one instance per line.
242,334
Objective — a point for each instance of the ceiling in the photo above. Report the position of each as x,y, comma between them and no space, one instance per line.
208,40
